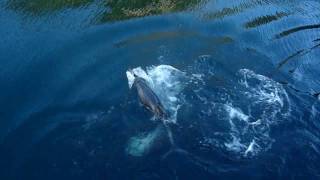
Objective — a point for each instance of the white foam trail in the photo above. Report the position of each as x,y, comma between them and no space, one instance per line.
236,113
235,145
266,90
269,99
257,122
266,104
251,148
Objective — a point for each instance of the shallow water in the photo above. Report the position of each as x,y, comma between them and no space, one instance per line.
240,79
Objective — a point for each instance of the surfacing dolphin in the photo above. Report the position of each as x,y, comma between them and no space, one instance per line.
148,97
152,102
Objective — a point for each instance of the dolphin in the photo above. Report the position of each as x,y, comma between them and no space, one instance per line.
149,98
152,102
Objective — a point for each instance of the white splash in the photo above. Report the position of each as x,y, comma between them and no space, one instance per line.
139,72
130,77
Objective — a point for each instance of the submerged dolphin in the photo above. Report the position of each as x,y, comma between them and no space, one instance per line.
148,98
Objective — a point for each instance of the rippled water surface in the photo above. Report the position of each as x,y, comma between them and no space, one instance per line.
240,80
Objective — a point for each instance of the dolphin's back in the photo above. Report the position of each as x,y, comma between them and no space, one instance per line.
148,97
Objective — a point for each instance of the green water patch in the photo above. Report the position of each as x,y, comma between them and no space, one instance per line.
38,7
121,10
114,10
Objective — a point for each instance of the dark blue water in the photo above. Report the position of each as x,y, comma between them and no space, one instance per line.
240,78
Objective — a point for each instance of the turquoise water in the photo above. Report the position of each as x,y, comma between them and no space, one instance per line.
240,79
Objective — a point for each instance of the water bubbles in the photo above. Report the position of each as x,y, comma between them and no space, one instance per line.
246,114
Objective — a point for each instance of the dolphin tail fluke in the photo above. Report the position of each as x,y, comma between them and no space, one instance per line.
177,150
191,157
174,148
170,136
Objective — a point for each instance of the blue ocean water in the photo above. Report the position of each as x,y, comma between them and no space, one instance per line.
239,78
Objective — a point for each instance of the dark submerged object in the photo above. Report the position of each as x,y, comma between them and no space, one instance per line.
148,98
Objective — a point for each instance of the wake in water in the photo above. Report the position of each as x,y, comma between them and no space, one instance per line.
249,109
